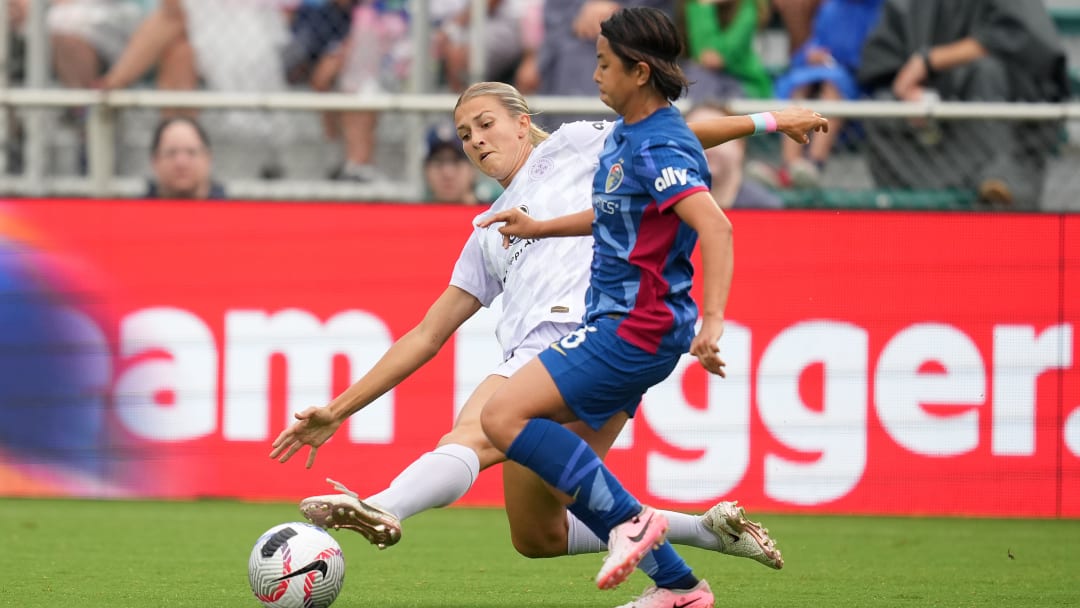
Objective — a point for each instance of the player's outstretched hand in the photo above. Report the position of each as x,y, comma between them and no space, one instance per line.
797,123
706,347
313,427
516,223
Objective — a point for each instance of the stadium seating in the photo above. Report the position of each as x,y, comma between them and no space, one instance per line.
1067,20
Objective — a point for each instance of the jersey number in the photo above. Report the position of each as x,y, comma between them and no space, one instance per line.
576,337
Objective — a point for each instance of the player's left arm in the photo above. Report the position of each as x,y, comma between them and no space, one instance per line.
795,122
716,239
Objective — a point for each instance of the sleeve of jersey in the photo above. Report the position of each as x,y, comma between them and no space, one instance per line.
470,273
669,172
586,136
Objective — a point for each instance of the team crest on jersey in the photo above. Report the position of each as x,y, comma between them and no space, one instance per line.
614,178
540,168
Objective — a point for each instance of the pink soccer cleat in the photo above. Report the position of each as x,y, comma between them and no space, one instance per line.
698,597
628,543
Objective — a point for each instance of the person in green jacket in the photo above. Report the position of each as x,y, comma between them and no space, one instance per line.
720,39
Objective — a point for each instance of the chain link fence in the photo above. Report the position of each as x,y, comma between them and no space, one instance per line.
273,83
941,159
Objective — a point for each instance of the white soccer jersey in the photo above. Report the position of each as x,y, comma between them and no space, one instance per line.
540,279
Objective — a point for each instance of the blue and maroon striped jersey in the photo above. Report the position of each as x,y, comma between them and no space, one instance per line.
641,254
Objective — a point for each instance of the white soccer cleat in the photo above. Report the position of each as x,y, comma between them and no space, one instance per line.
345,511
741,537
698,597
628,542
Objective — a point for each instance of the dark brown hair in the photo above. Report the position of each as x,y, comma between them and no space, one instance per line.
165,123
643,34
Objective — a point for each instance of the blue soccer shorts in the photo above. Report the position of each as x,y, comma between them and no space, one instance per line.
599,374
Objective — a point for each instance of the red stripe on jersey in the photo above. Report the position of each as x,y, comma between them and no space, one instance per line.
651,319
669,202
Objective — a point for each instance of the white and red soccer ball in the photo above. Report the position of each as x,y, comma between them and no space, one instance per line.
296,565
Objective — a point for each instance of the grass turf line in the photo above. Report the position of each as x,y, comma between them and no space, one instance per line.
165,554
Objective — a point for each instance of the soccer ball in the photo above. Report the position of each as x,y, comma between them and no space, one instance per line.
296,565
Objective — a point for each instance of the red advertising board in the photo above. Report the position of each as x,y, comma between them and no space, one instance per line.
878,362
1066,419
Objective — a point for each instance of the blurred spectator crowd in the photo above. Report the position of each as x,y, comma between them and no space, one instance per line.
797,50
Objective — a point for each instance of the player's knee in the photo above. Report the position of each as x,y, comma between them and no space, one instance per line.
539,543
500,423
472,437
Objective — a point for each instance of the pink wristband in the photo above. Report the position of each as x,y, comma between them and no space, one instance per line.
764,122
770,122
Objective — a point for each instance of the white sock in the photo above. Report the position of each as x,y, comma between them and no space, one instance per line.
435,479
683,529
580,539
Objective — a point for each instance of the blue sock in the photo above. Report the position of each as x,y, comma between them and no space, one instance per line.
593,522
565,461
667,569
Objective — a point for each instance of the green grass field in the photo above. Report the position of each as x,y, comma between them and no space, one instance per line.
154,554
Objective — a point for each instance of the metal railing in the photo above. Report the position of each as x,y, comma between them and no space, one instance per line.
102,109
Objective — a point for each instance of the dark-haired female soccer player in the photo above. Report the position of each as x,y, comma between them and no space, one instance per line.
651,206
